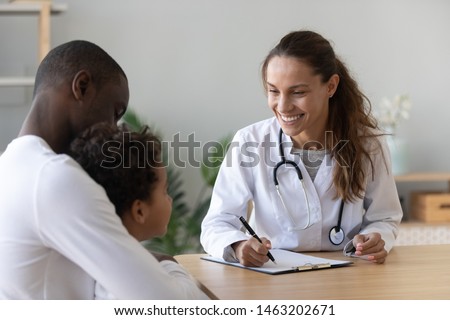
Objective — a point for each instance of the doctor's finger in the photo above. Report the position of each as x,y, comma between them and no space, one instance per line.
375,248
374,240
366,241
266,243
253,258
259,247
248,256
378,257
258,259
250,261
359,239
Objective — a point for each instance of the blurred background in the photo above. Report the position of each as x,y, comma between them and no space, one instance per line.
194,65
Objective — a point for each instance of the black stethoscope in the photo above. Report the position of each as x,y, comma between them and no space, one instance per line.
336,234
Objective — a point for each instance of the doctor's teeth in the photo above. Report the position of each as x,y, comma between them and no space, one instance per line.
291,118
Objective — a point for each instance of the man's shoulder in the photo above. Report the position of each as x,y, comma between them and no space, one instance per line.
29,148
38,160
30,155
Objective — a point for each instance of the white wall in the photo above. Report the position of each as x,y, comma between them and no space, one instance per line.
193,65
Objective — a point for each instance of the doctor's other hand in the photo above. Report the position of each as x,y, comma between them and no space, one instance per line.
252,253
370,245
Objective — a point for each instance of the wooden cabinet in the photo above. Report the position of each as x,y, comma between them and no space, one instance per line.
416,200
425,231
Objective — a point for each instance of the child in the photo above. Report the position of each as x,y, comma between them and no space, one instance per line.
128,166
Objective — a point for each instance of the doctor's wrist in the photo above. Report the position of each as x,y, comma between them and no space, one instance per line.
236,245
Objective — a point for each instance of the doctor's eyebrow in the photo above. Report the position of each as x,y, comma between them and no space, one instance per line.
296,86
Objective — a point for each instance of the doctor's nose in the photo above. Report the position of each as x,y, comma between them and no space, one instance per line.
284,105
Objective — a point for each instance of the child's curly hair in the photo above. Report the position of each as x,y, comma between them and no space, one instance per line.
120,160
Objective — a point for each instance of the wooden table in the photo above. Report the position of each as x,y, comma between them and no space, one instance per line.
410,272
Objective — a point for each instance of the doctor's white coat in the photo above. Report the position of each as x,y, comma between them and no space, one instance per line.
247,174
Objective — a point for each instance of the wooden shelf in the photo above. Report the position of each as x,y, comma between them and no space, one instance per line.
42,9
423,176
16,81
29,8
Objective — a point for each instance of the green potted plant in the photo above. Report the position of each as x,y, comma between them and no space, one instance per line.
183,231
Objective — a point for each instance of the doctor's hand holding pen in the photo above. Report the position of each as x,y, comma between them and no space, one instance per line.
251,252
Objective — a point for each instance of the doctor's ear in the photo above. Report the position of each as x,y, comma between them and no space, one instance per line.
332,85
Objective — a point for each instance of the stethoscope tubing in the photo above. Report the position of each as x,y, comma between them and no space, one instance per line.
336,234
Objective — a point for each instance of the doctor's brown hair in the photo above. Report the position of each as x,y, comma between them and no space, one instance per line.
349,118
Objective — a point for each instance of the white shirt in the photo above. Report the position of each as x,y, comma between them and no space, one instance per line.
59,232
171,267
247,174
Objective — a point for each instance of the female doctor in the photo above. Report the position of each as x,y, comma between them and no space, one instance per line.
318,172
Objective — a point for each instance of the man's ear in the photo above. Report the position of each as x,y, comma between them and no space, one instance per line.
81,83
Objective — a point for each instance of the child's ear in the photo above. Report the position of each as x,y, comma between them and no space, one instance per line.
139,211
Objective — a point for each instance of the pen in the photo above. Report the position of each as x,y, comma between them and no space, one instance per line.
254,235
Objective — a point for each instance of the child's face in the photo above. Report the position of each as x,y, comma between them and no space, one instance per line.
159,207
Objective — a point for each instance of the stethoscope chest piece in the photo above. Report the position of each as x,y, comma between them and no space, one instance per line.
336,235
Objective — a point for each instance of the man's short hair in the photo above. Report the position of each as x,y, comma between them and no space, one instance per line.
63,62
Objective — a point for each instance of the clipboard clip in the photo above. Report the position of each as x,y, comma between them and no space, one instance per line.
310,266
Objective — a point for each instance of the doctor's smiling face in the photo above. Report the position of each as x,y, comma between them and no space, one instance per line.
299,98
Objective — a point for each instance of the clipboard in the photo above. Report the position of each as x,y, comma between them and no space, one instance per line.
287,262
